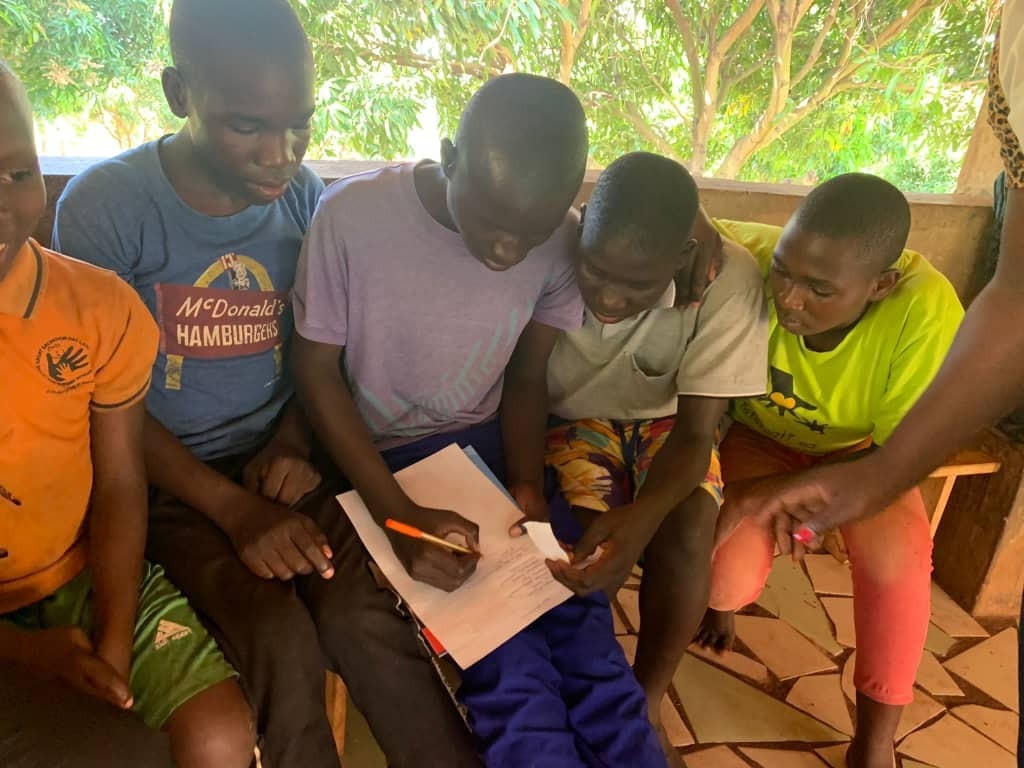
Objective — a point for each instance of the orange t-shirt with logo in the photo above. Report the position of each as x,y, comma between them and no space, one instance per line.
73,339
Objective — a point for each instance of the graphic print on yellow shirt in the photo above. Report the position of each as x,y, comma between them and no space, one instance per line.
822,402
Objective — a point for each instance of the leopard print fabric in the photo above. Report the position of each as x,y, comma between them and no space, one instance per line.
998,118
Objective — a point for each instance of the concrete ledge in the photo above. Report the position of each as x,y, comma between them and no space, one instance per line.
951,230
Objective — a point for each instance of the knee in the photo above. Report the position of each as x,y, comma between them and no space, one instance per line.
215,729
122,745
271,615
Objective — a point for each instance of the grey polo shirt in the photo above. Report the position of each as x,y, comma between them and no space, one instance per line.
637,368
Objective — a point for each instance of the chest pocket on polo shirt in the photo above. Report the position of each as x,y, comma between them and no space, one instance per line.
660,352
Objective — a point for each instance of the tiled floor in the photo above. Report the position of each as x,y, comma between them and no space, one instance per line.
783,698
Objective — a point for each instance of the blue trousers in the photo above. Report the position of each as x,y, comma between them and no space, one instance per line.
560,694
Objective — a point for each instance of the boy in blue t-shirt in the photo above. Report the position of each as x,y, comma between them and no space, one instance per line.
207,225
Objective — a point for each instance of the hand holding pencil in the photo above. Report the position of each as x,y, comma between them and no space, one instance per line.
416,533
419,538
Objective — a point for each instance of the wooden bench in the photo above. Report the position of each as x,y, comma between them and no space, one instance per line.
936,490
337,704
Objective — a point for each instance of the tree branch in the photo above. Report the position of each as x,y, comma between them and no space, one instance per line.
738,28
692,55
631,114
655,81
572,39
904,20
411,60
819,42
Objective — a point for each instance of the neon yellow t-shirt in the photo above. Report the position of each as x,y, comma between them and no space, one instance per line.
819,402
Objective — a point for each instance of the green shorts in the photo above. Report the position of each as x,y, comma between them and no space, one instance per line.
173,656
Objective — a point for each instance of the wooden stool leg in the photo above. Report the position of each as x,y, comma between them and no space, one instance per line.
336,706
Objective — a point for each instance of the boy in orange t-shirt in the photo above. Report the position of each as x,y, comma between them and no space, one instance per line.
78,605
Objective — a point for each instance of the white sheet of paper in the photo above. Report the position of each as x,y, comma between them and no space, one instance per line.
544,539
511,586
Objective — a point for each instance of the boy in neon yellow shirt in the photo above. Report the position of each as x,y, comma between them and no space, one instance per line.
858,328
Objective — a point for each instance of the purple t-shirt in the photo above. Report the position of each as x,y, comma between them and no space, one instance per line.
427,329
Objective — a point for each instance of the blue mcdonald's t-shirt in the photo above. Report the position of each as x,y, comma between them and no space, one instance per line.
218,287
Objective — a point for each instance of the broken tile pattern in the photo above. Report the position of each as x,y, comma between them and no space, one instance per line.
822,697
951,743
951,618
735,662
735,714
778,758
998,724
933,678
629,600
938,642
724,709
789,595
678,734
829,576
922,710
840,612
628,643
991,666
716,757
834,756
783,650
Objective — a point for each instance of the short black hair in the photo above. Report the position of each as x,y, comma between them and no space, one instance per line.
861,208
530,132
648,199
261,27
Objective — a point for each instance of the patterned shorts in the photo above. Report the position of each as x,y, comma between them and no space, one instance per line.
602,464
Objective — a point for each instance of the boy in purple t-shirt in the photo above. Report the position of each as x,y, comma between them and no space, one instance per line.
427,302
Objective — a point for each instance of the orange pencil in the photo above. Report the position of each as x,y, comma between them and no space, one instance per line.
416,533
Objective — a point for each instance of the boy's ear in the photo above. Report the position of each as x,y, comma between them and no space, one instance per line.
884,284
175,91
448,156
583,217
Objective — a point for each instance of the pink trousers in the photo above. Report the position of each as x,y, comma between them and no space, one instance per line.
890,554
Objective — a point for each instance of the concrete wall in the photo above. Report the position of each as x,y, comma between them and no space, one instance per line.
952,230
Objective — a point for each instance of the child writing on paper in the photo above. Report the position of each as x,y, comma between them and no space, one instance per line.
637,395
428,299
858,328
80,610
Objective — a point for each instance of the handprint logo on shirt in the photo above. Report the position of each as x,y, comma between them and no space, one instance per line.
64,361
72,359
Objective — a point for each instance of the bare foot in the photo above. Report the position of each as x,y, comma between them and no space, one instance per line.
717,631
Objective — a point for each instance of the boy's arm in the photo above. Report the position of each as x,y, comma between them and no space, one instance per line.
623,533
337,421
272,540
524,414
281,471
117,530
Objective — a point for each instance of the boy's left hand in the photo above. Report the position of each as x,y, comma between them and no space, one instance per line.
531,501
280,475
622,533
117,652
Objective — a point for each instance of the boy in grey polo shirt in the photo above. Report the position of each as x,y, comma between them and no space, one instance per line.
638,394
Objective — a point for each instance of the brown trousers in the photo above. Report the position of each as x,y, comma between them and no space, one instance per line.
46,724
281,635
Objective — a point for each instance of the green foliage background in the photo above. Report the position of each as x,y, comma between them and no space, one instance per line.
766,90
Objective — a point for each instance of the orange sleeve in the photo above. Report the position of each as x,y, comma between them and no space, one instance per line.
128,347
